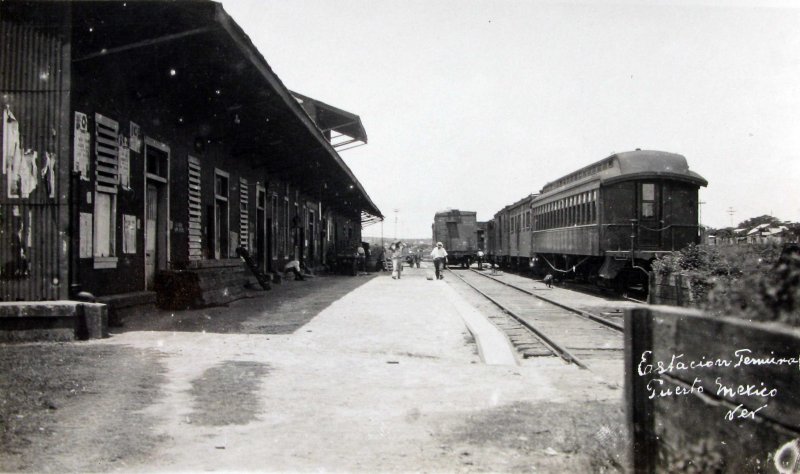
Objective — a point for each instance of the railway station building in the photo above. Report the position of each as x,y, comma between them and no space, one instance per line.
147,137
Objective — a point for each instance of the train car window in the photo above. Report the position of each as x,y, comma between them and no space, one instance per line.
569,212
585,208
648,192
648,200
557,215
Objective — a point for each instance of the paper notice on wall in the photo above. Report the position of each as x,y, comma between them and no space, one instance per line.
85,247
19,165
128,233
136,138
81,145
11,143
125,167
49,174
23,174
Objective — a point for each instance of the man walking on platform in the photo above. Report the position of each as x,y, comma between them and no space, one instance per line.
439,255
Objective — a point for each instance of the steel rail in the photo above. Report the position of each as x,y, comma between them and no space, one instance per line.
579,312
555,347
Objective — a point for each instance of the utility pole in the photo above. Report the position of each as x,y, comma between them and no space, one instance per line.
396,211
700,218
700,212
731,212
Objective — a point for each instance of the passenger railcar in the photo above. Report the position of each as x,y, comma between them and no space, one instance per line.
605,221
458,231
512,227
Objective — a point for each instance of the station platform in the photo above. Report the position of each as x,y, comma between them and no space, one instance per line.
359,374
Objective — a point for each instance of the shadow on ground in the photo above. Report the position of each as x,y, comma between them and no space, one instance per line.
282,310
59,399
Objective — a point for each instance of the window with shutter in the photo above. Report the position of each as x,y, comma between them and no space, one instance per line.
105,202
244,215
195,234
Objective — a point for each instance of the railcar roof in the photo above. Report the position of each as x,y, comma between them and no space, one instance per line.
455,212
641,162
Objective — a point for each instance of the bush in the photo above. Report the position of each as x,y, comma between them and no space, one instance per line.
757,282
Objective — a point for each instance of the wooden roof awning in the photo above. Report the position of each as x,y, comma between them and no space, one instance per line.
343,129
368,219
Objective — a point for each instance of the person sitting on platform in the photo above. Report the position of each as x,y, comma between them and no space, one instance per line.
293,266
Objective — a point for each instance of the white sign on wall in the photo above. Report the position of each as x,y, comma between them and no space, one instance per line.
128,233
136,138
82,144
124,166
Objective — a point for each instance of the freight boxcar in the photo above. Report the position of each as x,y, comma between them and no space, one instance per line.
458,231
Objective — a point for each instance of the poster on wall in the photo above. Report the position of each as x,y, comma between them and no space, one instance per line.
136,138
19,164
81,145
128,233
124,163
85,247
11,142
49,174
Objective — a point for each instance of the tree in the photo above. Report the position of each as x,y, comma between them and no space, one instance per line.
754,221
726,233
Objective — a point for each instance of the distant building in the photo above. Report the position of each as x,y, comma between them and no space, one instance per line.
767,233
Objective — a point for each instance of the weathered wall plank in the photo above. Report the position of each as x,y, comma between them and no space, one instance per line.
709,394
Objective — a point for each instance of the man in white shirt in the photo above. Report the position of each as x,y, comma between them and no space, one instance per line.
439,255
293,266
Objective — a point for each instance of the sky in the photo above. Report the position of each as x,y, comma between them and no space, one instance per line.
473,105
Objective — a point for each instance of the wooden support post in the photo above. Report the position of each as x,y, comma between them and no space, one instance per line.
640,414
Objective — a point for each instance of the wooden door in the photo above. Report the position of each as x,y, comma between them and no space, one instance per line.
650,224
151,235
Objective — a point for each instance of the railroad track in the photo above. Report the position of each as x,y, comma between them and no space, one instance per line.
580,312
590,289
577,336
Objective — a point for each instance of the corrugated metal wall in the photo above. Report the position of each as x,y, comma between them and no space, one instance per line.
35,153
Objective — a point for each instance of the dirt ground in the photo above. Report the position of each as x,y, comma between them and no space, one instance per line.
301,379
